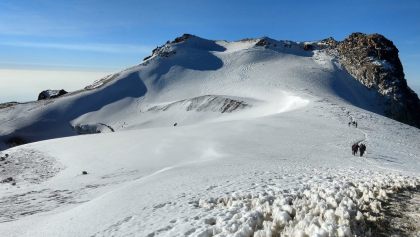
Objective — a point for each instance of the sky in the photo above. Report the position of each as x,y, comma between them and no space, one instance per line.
68,44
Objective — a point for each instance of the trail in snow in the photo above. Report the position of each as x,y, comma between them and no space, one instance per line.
400,211
401,215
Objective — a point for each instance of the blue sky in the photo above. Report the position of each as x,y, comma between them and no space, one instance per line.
98,37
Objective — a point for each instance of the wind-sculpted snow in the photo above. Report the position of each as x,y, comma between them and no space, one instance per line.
341,206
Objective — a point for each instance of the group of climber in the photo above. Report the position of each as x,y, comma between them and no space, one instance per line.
354,123
358,148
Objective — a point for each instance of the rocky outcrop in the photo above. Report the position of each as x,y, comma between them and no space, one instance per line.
166,50
308,47
262,42
373,60
49,94
162,51
205,103
92,128
329,42
15,141
182,38
103,81
7,104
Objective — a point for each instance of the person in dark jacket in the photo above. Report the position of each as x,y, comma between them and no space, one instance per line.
355,148
362,149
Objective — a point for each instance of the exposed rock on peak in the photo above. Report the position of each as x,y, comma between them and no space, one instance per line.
330,41
182,38
266,41
166,50
308,46
373,60
186,41
262,42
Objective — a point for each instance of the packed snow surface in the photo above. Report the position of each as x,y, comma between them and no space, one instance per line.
207,138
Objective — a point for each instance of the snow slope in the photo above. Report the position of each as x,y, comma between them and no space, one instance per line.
261,148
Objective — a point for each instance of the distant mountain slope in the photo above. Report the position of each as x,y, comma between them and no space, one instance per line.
264,71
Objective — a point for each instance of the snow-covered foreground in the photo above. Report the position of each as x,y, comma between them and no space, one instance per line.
261,148
286,173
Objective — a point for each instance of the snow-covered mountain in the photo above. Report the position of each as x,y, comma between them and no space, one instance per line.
198,75
217,138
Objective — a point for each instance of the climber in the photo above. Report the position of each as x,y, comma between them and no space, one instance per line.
362,149
355,148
